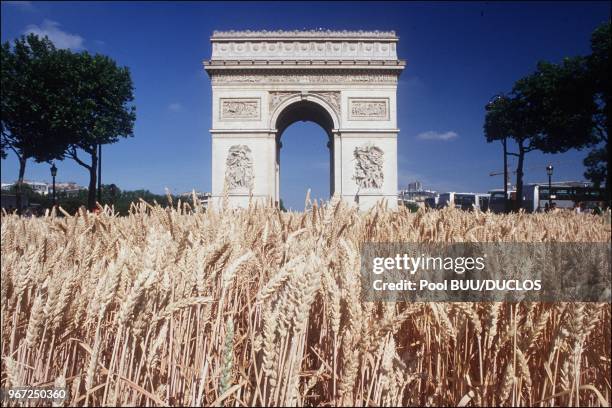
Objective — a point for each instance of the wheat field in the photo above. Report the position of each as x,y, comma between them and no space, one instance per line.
258,307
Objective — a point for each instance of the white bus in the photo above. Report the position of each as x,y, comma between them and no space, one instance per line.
464,201
497,200
431,202
562,195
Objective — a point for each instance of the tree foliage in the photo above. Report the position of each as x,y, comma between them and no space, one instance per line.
557,108
560,98
100,110
57,103
121,200
32,100
512,116
33,114
598,63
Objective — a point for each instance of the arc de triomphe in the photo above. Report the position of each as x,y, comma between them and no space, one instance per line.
263,81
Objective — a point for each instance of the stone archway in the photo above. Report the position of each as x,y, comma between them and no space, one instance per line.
293,107
343,80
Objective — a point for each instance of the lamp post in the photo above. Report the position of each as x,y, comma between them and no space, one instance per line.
496,99
549,171
53,174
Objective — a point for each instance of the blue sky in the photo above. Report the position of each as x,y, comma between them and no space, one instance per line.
459,54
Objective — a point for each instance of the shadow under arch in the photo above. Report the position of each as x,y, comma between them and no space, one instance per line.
308,109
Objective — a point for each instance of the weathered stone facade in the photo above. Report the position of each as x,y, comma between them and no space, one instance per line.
346,81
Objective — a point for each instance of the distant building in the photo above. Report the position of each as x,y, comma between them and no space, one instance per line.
416,194
40,187
203,197
415,186
68,189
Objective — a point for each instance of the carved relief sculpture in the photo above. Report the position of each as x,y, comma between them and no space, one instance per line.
369,162
369,109
239,168
276,98
331,97
317,44
271,78
239,108
304,50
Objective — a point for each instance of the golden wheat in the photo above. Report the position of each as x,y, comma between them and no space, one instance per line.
182,306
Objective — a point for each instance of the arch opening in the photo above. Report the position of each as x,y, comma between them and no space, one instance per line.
305,111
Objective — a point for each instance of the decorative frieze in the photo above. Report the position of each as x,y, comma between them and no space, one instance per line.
234,108
239,169
304,50
230,78
369,109
303,45
369,161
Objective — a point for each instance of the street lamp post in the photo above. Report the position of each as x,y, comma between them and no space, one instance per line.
549,171
53,174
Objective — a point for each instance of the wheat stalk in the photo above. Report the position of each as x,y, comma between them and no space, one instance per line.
260,307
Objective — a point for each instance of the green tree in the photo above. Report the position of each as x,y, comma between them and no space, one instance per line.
100,112
122,200
550,110
412,207
3,146
511,117
33,101
281,205
598,63
561,98
110,193
563,106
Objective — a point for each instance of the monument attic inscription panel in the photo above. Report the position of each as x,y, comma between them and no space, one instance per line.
345,81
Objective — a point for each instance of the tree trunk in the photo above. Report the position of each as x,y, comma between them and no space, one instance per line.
519,177
608,184
19,199
91,192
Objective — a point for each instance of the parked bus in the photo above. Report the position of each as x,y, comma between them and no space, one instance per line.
483,202
463,201
562,195
431,202
497,201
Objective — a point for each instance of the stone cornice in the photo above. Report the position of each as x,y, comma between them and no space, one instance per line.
309,70
217,65
294,34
